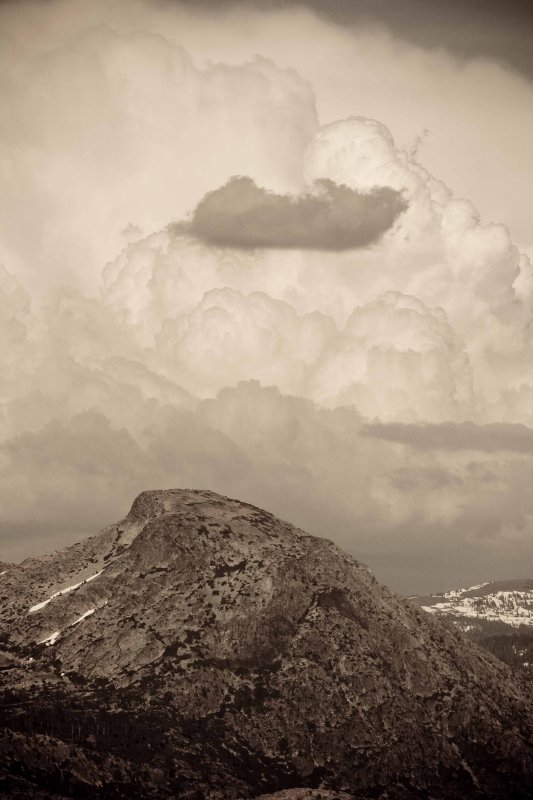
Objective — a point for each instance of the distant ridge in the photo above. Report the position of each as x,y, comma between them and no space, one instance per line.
497,614
509,602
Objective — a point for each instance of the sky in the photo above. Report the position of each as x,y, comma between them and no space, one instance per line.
280,251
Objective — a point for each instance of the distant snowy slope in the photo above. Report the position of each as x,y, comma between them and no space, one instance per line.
497,614
509,602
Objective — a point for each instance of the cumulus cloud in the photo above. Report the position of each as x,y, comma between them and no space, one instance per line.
78,173
163,95
333,217
430,324
438,251
230,337
397,358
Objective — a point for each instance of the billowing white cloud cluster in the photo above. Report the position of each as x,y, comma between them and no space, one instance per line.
423,326
317,383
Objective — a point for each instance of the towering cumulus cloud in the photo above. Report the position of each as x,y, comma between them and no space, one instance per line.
240,214
335,336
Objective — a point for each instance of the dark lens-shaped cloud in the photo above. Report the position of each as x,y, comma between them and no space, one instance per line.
333,217
453,436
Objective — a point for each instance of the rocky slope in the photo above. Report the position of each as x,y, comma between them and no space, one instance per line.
203,648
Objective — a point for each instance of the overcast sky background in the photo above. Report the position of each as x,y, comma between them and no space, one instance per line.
277,250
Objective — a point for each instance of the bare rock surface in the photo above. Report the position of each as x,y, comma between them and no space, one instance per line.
306,794
203,648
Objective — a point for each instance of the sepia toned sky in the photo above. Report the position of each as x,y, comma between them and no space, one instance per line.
281,251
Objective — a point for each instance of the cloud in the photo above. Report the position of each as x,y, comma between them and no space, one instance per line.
119,158
448,24
15,317
429,324
405,513
439,250
230,336
452,436
333,217
164,93
148,384
396,358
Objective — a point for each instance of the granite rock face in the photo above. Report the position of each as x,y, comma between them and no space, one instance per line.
203,648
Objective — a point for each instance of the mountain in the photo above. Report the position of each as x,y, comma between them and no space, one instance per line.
496,614
202,648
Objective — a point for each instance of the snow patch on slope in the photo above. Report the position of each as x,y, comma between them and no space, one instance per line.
82,617
50,639
54,636
458,592
67,590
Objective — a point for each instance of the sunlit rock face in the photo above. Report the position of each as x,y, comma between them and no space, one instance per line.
202,642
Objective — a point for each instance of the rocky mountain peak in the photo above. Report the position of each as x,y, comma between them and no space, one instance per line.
156,502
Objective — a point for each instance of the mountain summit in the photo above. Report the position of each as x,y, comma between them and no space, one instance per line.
203,648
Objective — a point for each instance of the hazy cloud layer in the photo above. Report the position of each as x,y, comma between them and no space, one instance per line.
453,436
409,515
333,217
470,30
